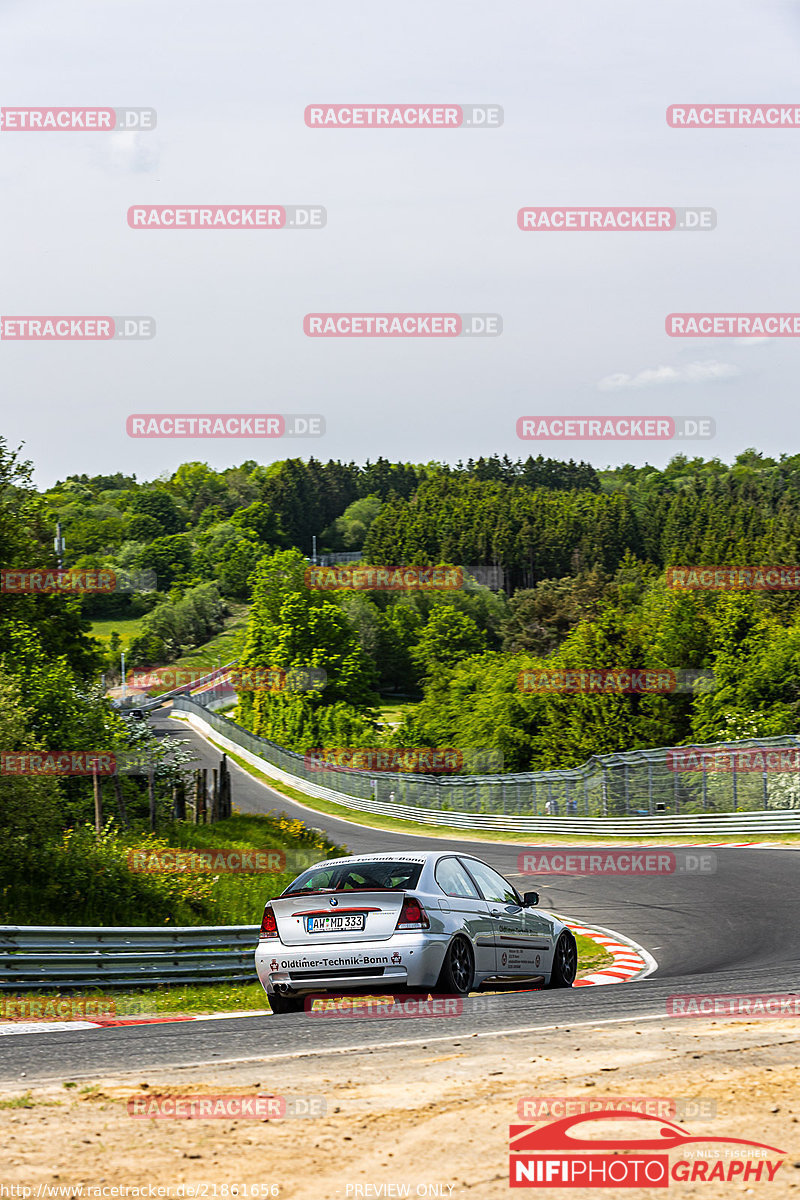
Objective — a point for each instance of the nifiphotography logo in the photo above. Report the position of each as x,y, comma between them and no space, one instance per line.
655,1155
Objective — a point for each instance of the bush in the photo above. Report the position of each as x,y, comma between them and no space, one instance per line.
81,879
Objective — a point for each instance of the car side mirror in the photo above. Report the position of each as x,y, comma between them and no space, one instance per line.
530,899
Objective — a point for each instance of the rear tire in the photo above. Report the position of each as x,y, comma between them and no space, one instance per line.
565,962
285,1004
458,969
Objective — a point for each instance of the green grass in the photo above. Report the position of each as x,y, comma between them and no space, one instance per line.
393,711
81,879
127,628
591,956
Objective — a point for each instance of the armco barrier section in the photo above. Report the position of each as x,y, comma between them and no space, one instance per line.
39,956
607,795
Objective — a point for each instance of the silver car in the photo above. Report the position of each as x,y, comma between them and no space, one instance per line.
435,921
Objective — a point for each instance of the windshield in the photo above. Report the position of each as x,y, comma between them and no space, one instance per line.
346,877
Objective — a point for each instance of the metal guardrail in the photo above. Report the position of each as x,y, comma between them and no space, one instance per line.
48,956
472,802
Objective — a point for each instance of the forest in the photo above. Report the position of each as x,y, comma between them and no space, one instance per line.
582,555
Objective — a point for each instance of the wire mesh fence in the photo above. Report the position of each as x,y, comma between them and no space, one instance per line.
756,775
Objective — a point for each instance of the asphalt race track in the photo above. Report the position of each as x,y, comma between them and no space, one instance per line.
737,930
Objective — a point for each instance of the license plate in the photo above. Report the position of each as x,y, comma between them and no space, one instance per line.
342,922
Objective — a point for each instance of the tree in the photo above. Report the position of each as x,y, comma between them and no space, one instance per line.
30,809
162,508
169,557
447,638
352,527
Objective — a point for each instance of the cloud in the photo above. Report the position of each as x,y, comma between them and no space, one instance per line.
694,372
130,151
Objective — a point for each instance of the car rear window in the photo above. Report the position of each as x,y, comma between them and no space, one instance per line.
347,877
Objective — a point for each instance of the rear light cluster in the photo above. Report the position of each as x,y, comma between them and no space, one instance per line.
412,915
269,926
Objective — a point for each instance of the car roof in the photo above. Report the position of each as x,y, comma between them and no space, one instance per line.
423,857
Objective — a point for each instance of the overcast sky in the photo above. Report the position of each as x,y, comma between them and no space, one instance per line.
418,221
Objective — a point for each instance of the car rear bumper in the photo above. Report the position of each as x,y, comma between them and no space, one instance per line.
406,960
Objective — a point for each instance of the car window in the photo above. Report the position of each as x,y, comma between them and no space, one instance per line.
454,880
346,877
491,883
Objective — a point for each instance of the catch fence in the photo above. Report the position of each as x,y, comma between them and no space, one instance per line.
748,777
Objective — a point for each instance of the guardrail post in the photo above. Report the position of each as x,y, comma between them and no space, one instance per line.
179,801
735,787
214,796
98,802
198,799
675,791
123,816
764,787
705,783
225,787
151,795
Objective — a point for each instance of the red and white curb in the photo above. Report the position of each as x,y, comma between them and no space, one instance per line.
631,961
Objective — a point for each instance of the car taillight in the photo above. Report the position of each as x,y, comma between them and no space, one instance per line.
412,915
269,926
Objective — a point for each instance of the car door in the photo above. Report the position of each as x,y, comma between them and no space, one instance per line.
523,936
468,908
